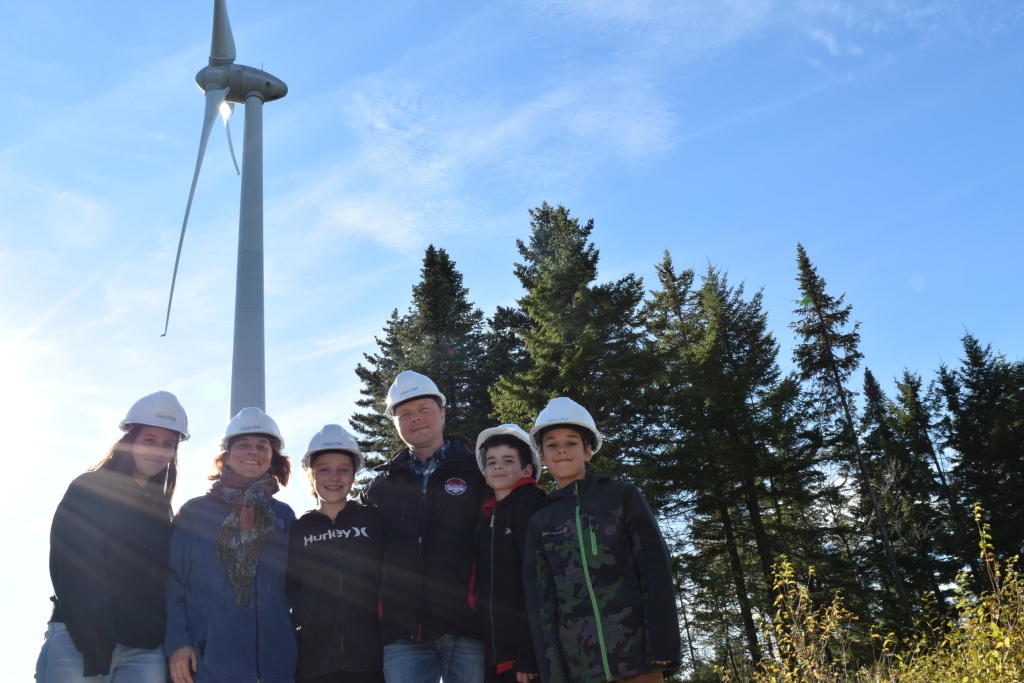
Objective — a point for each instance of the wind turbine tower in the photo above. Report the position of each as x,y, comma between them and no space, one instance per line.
227,84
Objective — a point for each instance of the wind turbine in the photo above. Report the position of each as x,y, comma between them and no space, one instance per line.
227,84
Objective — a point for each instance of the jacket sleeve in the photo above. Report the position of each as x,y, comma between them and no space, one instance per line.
655,568
526,658
79,572
177,633
542,608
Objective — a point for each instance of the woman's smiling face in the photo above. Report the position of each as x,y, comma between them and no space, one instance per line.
249,456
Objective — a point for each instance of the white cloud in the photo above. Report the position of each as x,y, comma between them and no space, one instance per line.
826,39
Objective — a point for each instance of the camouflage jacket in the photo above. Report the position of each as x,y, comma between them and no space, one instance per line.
599,585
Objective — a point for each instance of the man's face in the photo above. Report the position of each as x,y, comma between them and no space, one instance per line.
420,423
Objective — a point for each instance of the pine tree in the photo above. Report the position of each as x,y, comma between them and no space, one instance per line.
906,492
985,427
725,414
582,340
441,336
826,356
916,417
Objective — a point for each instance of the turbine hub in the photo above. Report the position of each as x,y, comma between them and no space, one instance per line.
241,82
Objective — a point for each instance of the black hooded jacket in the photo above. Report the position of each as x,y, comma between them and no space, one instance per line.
426,580
500,547
332,587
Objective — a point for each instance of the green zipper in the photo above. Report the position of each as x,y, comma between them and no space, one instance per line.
590,586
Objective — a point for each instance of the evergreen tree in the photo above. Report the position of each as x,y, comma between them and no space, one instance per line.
724,414
826,357
916,417
441,336
985,427
582,340
906,491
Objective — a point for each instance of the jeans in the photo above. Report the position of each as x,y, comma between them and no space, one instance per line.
60,662
456,660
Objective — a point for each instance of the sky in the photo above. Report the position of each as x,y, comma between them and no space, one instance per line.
884,136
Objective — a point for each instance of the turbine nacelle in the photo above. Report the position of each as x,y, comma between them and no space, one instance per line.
241,81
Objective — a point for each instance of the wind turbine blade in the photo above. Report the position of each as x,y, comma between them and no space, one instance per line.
222,45
214,98
225,113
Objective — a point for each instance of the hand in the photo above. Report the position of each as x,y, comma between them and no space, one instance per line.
246,516
180,662
661,663
524,677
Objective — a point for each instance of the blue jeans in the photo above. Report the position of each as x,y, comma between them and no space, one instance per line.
60,662
456,660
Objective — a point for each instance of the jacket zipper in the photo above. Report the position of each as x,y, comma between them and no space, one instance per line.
490,597
590,586
341,595
256,614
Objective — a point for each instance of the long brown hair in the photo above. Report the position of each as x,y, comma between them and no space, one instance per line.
280,465
119,459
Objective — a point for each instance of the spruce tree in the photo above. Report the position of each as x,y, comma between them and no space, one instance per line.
984,427
826,356
579,339
442,336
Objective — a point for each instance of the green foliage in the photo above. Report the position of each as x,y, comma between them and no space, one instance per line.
441,336
579,339
984,427
982,641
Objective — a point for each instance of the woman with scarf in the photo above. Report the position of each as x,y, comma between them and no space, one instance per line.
108,555
227,615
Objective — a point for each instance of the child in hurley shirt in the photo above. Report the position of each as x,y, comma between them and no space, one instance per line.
600,595
510,466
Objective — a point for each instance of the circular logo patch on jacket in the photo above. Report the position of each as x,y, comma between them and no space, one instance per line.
455,486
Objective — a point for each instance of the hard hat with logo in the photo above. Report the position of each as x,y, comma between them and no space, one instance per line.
252,421
159,409
565,411
409,385
333,438
514,431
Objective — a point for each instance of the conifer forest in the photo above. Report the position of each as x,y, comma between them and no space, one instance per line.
825,524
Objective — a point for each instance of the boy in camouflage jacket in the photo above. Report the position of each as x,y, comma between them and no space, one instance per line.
597,573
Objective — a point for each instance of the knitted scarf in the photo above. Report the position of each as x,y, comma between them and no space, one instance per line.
250,523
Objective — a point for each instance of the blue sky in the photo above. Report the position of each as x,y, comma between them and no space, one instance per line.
885,136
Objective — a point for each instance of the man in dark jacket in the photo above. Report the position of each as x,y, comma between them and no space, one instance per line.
428,496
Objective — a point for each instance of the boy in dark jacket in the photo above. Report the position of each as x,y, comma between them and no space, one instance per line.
600,595
334,560
510,465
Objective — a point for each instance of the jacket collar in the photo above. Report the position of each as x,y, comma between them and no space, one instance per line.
492,502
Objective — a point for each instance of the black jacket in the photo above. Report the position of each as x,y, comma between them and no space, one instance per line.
109,546
500,544
332,586
429,552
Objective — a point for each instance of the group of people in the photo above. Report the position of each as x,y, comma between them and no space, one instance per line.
453,564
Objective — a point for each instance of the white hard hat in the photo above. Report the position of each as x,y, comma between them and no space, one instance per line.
333,438
509,430
159,409
409,385
252,421
565,411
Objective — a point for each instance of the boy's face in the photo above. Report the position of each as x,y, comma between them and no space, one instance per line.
502,468
333,475
565,453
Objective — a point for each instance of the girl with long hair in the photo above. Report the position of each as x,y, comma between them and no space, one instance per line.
108,555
